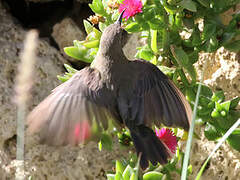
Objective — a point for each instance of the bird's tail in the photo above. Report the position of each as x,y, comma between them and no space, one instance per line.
151,148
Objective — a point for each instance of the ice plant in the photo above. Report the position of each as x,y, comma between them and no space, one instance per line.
168,138
131,7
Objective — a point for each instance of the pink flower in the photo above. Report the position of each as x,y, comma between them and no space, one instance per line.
168,138
131,7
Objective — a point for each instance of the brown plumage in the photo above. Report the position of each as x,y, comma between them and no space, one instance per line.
135,94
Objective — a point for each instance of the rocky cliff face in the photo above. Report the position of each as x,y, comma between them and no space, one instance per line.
41,161
49,63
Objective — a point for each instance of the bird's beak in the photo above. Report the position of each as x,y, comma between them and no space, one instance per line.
119,20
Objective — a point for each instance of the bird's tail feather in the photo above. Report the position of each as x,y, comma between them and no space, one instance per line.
149,146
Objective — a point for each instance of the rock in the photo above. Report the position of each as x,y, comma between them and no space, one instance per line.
212,65
49,64
222,71
227,77
64,33
223,165
41,161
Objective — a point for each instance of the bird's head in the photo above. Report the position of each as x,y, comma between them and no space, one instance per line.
114,37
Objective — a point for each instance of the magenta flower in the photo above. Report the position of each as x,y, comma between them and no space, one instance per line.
131,7
168,138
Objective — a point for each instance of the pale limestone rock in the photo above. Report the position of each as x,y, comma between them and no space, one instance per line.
65,32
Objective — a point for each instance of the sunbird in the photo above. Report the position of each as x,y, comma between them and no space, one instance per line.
131,93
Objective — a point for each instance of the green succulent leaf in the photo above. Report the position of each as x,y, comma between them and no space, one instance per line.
118,176
88,26
211,45
218,96
189,5
100,145
233,46
70,69
74,52
215,114
91,44
156,24
106,142
211,132
218,107
63,78
234,102
196,39
206,91
208,31
154,41
133,27
145,53
225,106
119,167
97,32
134,176
94,35
110,176
233,139
189,169
190,95
102,26
204,3
152,175
182,58
98,7
149,13
127,172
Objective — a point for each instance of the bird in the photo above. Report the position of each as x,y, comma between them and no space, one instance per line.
117,91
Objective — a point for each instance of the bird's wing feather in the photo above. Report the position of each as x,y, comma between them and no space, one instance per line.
74,111
163,101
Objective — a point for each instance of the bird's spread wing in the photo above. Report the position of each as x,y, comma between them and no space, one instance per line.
157,99
74,111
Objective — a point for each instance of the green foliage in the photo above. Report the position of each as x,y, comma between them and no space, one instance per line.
124,172
162,24
233,139
127,169
219,115
152,175
70,72
164,20
98,7
105,142
231,131
124,137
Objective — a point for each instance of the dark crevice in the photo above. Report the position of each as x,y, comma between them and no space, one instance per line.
79,13
9,146
53,43
41,16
